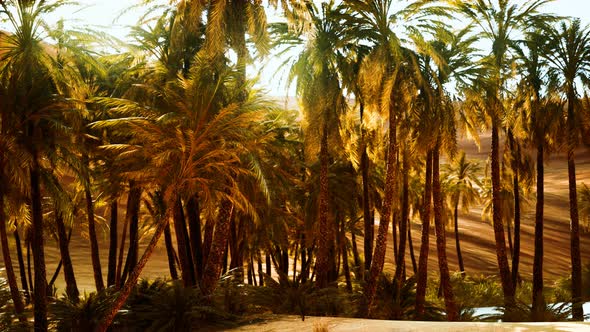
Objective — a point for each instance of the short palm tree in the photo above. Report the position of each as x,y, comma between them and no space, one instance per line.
191,142
463,185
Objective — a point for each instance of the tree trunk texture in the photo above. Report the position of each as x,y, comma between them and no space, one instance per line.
29,240
577,309
133,277
194,223
207,239
268,265
368,220
450,305
505,275
367,216
131,219
214,264
403,223
457,240
37,243
69,276
94,251
183,245
260,271
538,299
170,252
381,243
344,254
113,239
516,187
424,246
21,265
411,247
325,239
10,275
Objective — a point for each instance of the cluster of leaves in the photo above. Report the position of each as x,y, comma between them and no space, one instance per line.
389,304
286,296
152,306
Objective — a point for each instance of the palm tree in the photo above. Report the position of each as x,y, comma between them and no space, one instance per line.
539,116
462,183
191,143
388,86
316,69
34,82
569,51
498,22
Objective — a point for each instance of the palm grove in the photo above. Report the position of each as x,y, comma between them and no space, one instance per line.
171,130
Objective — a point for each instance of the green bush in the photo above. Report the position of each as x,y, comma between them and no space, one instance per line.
293,297
169,306
391,305
84,314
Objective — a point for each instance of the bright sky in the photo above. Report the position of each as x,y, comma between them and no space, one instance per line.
104,14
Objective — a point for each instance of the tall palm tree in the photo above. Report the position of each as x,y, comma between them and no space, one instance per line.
34,81
537,117
462,183
498,21
568,55
316,69
387,87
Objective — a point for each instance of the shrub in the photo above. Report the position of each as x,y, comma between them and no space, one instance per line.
391,305
84,314
169,306
293,297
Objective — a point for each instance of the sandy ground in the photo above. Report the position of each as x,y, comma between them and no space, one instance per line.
294,324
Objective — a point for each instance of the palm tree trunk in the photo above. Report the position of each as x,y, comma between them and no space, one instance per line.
381,244
367,217
184,252
450,305
457,242
344,255
260,272
577,309
424,246
538,300
170,252
208,239
28,240
112,271
10,275
40,295
133,277
403,223
218,247
268,265
21,265
516,187
69,276
96,268
500,240
325,235
131,219
411,247
194,224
